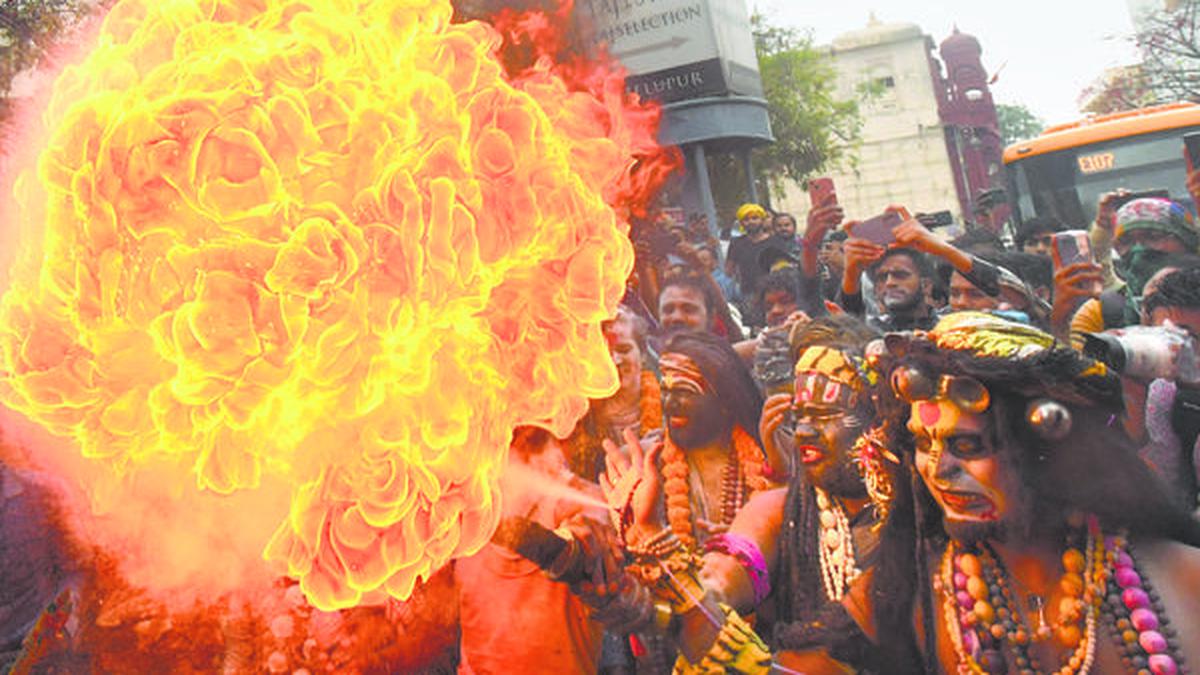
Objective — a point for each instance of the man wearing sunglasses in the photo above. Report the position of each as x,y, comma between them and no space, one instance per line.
1038,540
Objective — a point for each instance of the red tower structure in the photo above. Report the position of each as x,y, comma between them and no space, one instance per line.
973,140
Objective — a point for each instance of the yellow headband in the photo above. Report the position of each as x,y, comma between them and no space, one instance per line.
831,363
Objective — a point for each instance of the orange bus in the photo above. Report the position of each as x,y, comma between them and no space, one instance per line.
1062,173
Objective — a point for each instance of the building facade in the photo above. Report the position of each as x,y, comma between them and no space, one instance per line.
930,140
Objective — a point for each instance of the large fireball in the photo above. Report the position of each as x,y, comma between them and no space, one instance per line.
316,251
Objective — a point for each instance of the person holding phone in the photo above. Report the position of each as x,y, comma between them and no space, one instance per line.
903,279
1145,232
816,260
976,284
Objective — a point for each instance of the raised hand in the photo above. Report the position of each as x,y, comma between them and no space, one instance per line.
632,485
860,254
1106,210
775,412
913,234
1073,285
821,220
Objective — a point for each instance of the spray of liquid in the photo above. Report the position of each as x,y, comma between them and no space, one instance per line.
529,482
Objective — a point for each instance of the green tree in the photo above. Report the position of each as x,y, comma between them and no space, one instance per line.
1017,123
814,129
1169,40
28,28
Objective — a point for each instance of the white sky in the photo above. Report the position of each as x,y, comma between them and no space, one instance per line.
1053,48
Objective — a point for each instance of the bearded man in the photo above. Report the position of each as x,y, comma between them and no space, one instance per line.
791,553
711,457
1037,539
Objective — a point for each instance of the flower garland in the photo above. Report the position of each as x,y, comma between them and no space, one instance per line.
650,404
746,470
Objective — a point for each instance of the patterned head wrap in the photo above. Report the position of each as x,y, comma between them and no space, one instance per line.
827,376
1155,213
1010,355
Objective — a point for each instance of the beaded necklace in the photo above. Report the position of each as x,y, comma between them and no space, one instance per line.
984,617
740,478
839,567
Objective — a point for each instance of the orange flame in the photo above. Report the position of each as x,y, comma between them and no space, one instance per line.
320,252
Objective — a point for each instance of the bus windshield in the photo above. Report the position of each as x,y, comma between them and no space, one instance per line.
1067,185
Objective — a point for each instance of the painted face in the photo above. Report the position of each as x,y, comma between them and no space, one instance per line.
626,354
825,432
826,421
964,473
682,308
695,416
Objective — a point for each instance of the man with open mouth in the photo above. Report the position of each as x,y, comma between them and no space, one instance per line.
1035,539
792,553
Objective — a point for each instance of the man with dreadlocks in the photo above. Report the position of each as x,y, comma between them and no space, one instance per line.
711,459
1042,543
791,553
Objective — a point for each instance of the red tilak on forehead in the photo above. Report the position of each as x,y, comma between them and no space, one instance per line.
929,412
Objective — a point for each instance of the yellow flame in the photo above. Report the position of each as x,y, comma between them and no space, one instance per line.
321,241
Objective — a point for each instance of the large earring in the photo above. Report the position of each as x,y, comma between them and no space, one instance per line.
1049,419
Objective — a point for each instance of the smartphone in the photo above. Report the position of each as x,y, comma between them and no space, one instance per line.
878,230
937,219
1191,142
1159,193
821,192
1070,247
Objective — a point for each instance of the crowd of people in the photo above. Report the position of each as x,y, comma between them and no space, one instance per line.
831,455
826,454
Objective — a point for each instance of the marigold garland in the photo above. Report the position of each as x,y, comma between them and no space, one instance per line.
675,481
650,404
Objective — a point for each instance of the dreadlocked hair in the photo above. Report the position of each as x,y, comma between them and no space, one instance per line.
734,386
1095,469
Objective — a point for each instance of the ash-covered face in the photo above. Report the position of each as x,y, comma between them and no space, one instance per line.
973,483
825,432
695,416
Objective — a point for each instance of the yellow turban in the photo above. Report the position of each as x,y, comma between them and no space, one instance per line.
751,211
